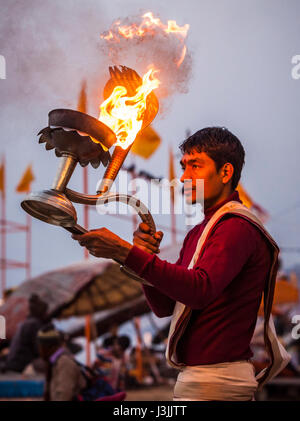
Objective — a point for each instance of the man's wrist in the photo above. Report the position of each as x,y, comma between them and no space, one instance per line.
123,251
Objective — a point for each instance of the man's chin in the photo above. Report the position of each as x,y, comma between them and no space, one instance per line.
190,200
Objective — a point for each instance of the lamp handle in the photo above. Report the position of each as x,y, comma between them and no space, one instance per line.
141,209
99,199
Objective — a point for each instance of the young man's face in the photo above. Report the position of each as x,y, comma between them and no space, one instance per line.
198,165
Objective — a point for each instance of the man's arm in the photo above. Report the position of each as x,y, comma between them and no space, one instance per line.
226,252
104,243
160,304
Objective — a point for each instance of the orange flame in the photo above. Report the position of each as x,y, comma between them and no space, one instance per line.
123,114
179,62
148,26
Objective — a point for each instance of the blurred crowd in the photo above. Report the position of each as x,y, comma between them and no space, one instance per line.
39,348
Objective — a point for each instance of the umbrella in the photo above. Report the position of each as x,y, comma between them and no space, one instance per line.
80,289
127,311
103,321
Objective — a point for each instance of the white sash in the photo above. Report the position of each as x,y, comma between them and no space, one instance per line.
278,355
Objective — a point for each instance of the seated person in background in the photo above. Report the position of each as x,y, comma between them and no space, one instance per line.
113,361
23,349
64,379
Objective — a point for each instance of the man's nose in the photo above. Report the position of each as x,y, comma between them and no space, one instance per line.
185,176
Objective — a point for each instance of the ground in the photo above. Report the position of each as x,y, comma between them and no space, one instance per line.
157,393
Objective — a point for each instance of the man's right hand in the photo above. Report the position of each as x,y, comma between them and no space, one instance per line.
145,241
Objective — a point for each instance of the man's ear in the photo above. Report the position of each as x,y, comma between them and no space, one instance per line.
227,172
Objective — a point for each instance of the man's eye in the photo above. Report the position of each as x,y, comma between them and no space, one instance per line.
196,166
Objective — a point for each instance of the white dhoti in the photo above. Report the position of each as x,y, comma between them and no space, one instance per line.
231,381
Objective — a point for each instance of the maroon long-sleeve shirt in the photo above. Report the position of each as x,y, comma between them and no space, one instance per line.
224,288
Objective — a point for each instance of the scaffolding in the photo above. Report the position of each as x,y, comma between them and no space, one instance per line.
12,227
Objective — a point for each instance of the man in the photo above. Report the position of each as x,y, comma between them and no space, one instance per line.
23,349
64,380
215,287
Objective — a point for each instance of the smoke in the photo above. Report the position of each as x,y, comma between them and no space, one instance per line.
50,47
147,46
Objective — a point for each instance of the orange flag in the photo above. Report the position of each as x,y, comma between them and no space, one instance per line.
250,203
285,293
244,196
172,174
2,178
146,143
25,182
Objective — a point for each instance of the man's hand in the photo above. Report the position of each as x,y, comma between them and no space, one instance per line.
104,243
146,241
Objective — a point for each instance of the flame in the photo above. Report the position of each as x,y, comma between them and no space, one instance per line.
110,36
180,61
173,27
148,26
123,114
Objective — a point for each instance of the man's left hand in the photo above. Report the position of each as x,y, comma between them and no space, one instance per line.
104,243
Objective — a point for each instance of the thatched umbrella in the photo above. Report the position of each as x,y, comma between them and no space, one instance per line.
76,290
81,289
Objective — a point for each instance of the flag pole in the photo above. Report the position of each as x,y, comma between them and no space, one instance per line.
133,176
3,237
28,245
173,221
24,186
82,107
86,207
172,177
138,350
86,256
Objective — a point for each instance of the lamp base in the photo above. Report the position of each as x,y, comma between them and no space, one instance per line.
50,206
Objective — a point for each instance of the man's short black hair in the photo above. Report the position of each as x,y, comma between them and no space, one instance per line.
221,146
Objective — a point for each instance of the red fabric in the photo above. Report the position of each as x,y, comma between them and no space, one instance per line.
116,397
224,288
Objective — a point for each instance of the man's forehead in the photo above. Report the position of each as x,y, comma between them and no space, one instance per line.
193,157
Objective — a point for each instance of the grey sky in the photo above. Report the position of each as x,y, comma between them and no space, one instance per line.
241,78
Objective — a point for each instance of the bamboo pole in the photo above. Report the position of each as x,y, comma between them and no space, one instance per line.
173,219
3,237
86,207
28,245
138,350
86,256
133,176
88,339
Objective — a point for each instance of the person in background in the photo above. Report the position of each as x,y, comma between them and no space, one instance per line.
23,349
64,379
113,361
